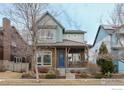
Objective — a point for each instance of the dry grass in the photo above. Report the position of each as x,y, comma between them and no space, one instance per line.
10,75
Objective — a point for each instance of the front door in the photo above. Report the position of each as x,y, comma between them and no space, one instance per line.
61,58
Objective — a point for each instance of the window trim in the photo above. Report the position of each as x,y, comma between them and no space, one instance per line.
44,37
41,54
17,58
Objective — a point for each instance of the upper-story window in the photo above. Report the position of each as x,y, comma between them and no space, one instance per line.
46,35
14,44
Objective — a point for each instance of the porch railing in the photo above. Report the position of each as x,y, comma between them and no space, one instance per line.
77,64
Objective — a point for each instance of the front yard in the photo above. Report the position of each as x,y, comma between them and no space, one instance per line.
10,75
14,78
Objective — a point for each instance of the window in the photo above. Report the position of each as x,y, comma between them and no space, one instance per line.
74,57
44,58
46,35
47,59
14,44
96,50
23,59
39,59
17,59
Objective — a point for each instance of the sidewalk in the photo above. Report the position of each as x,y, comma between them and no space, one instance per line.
62,82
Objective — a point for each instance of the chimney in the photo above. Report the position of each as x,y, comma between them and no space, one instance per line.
6,39
6,24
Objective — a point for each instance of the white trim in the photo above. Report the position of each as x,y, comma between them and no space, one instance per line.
18,58
41,53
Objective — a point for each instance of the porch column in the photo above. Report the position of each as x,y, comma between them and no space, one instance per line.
55,58
72,58
66,57
81,55
87,54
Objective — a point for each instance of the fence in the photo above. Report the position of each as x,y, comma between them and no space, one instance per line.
11,66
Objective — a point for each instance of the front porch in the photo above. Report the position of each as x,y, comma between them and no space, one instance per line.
63,57
77,57
66,54
71,59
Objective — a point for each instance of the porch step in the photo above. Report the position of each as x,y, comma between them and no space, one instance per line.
61,71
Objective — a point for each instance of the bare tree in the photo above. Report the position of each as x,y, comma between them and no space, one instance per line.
116,18
117,22
27,15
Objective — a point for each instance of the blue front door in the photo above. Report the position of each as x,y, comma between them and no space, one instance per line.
61,58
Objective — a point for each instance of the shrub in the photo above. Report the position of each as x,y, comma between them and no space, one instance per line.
93,68
42,70
108,75
84,75
42,76
106,65
78,72
50,76
2,67
72,71
104,60
27,76
99,76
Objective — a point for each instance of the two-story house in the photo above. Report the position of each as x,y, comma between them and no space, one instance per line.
12,45
58,48
113,37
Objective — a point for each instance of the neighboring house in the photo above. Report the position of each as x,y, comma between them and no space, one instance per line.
58,48
12,45
106,34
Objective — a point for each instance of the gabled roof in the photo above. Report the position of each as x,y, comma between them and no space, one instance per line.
19,36
47,13
64,31
109,29
74,32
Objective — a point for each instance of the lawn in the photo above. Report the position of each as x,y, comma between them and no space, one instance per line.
10,75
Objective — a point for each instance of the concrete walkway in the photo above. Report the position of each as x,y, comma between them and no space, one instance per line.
62,82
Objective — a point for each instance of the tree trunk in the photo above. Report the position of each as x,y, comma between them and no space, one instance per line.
34,62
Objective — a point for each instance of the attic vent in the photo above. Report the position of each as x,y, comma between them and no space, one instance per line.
47,27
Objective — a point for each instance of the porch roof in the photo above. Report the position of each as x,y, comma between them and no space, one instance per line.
65,43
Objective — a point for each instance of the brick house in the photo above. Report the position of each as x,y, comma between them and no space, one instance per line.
12,45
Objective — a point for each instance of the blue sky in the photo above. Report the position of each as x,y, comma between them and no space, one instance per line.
86,16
